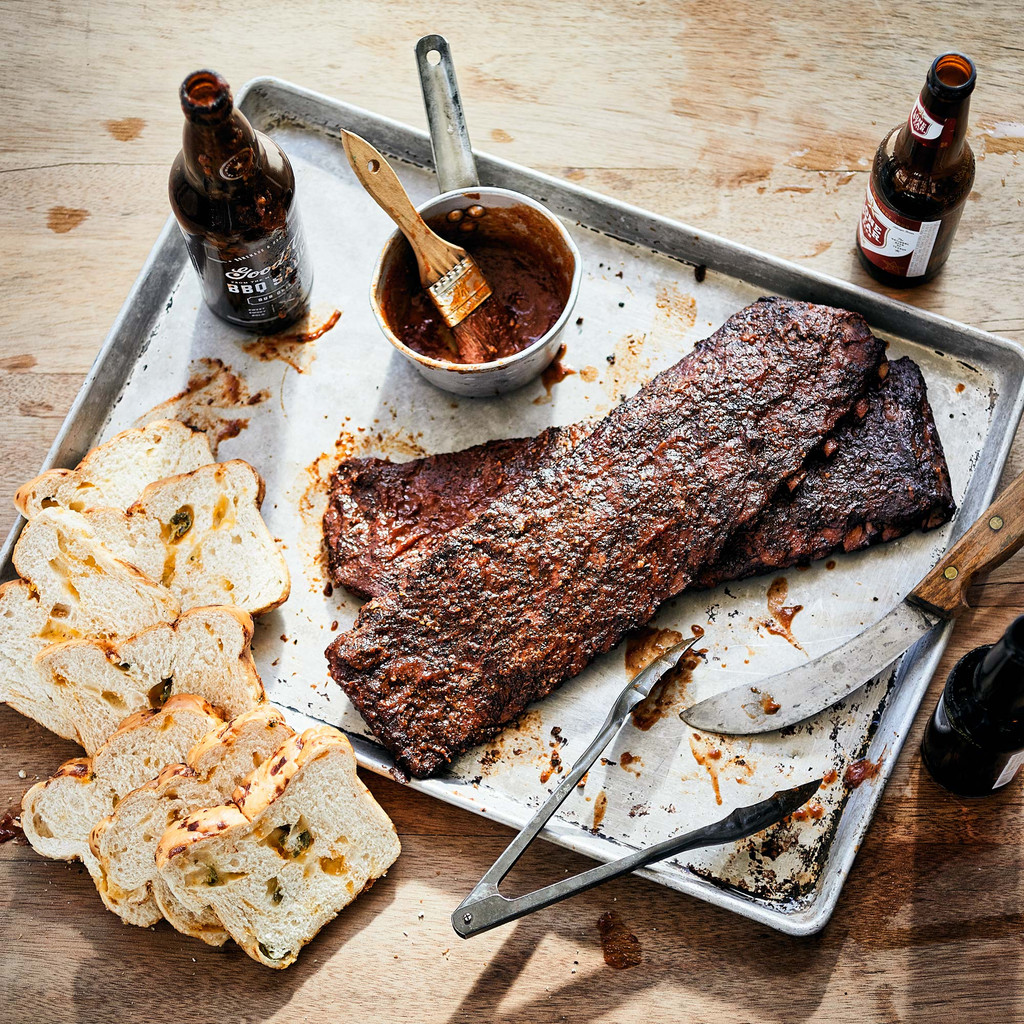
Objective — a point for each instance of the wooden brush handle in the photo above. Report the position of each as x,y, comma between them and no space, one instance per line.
989,542
434,256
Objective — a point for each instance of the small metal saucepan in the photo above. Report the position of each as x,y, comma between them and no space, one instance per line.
461,191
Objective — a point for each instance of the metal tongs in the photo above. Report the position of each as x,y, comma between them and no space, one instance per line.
485,908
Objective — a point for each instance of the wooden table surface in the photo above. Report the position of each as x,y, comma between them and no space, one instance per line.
756,122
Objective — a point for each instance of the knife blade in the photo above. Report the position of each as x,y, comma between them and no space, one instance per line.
792,696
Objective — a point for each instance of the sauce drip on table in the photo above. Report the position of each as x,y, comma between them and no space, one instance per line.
10,827
621,948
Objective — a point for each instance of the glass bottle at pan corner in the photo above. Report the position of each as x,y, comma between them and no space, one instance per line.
921,177
232,190
974,741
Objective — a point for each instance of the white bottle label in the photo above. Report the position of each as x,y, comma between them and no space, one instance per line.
923,125
1010,770
891,236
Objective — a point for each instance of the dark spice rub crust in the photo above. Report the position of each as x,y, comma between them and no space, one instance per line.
382,515
879,477
876,478
557,569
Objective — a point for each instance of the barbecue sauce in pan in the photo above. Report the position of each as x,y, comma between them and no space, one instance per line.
517,251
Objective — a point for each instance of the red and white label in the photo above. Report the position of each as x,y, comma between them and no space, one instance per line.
922,125
897,244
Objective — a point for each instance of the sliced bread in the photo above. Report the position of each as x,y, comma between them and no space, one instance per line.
74,587
59,814
115,473
86,589
23,617
302,838
201,535
95,683
124,843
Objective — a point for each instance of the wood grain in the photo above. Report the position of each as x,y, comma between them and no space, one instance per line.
754,122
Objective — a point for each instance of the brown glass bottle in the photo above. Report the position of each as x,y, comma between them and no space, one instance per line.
232,191
921,178
974,742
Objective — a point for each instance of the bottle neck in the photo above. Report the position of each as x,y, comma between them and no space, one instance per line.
220,149
936,130
998,683
219,158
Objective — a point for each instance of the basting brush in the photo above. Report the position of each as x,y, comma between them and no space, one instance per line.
448,273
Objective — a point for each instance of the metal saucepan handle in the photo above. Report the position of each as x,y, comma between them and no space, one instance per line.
449,137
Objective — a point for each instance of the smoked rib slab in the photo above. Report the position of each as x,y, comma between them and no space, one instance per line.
877,477
382,516
884,476
557,569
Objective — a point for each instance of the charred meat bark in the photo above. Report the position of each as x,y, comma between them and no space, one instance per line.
877,478
383,515
558,568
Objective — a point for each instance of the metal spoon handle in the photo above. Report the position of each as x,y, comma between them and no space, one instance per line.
449,137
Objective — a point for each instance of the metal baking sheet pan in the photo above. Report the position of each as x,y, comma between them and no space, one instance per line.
293,410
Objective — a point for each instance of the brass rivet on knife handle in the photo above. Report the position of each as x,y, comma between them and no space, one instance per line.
989,542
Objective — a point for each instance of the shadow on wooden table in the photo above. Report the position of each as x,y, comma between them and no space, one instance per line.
937,883
169,976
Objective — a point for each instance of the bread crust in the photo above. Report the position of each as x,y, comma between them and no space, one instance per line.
233,843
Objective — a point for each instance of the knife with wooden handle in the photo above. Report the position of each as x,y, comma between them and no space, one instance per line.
799,693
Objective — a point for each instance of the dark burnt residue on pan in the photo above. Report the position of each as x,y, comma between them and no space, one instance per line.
522,257
806,838
554,765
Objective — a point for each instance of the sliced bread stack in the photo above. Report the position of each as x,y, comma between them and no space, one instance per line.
124,842
113,552
59,814
130,632
301,839
243,829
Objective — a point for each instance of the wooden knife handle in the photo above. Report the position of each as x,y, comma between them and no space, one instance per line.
434,255
989,542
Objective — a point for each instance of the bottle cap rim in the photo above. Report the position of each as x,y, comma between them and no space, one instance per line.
205,97
952,76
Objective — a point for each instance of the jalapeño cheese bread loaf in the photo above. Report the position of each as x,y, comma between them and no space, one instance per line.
302,838
124,843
